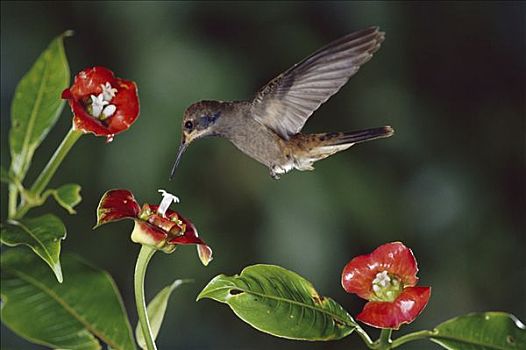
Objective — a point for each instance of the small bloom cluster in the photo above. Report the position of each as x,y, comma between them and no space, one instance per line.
387,279
102,104
155,225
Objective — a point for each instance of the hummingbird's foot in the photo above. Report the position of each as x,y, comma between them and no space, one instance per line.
274,173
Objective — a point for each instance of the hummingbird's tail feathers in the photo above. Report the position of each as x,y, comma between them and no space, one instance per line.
344,138
326,144
321,151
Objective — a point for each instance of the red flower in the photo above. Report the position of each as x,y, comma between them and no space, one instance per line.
387,278
155,225
101,103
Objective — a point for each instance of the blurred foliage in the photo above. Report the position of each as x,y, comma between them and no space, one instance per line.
450,184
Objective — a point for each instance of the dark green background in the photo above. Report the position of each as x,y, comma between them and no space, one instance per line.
450,78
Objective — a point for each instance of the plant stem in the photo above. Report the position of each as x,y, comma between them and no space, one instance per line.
384,342
143,259
13,197
365,337
51,167
63,149
411,337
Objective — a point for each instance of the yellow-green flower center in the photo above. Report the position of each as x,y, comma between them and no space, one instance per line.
386,287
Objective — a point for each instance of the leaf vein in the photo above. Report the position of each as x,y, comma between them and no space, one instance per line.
65,305
28,231
343,321
32,117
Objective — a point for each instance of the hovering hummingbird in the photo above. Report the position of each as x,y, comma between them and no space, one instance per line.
267,128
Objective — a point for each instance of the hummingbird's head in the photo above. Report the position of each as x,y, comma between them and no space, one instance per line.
199,120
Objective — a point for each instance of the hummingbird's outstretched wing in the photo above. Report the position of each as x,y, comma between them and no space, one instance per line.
287,101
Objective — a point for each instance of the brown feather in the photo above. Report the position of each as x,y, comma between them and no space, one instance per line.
286,102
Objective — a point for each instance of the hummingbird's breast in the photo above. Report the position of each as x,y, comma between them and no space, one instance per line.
256,140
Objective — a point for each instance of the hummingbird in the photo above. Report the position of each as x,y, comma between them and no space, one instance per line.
268,128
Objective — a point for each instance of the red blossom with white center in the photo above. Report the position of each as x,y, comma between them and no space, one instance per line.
387,278
155,225
102,104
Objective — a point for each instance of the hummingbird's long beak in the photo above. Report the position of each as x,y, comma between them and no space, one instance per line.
182,148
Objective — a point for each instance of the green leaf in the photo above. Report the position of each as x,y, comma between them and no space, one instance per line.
481,331
68,196
156,309
71,315
42,234
37,104
280,302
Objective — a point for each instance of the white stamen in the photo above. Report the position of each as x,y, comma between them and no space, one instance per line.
382,279
97,104
108,111
108,92
167,200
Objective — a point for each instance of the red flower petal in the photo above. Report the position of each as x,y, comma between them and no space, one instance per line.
161,232
146,233
398,260
82,120
88,82
404,309
205,253
358,276
117,205
395,258
127,103
190,235
164,223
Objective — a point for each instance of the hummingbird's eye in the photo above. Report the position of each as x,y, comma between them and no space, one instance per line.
189,125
